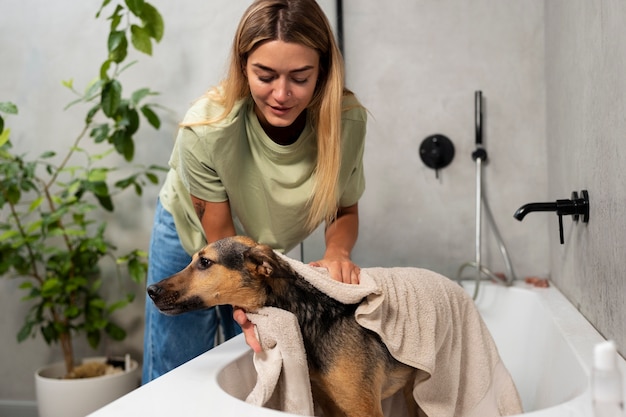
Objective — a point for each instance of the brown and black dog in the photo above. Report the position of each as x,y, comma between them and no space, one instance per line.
350,368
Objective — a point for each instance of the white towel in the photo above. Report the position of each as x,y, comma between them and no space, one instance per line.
282,363
426,321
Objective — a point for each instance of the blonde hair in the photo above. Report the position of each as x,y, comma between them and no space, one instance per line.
302,22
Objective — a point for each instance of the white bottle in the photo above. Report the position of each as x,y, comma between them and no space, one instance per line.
606,382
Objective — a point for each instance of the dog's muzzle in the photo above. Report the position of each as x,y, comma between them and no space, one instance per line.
154,291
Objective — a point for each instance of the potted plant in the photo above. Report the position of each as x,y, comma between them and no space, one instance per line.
52,236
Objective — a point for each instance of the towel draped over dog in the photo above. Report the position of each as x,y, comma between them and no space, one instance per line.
426,321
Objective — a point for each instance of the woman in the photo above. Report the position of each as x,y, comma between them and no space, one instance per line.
272,152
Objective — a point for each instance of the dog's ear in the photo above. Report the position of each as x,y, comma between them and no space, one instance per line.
264,259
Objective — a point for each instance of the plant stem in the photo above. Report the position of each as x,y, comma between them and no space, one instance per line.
65,338
58,169
31,255
68,352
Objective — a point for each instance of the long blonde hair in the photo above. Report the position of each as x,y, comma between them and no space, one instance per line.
302,22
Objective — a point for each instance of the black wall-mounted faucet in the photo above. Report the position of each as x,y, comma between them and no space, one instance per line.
576,207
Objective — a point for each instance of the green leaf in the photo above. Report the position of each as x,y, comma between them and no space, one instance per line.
74,188
151,116
115,332
93,88
139,95
105,202
118,46
123,183
50,334
137,270
152,178
93,338
135,6
99,188
47,154
9,234
8,107
129,119
98,175
4,136
117,306
100,133
116,17
111,97
104,4
13,195
72,312
35,204
26,285
128,65
104,69
153,21
100,156
124,144
140,39
116,38
25,331
34,226
129,150
50,286
73,102
97,303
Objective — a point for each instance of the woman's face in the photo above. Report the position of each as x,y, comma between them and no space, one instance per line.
282,78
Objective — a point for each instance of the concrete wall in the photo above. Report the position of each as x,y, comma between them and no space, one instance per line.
586,104
416,68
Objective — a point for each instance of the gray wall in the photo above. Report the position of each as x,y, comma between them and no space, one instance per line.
415,66
586,108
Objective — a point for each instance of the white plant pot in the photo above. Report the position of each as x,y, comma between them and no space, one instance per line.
58,397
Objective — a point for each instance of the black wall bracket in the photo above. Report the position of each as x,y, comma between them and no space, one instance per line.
436,152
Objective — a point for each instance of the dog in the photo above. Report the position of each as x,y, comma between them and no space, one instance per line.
350,369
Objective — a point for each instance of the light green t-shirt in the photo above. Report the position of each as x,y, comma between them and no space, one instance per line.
267,185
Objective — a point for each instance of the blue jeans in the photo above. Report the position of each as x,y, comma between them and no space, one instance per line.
170,341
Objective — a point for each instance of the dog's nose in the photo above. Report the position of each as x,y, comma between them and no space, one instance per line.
154,291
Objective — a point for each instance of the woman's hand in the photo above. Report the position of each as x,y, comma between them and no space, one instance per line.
342,270
248,329
340,237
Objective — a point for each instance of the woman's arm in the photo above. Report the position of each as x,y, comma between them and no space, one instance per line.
341,235
217,222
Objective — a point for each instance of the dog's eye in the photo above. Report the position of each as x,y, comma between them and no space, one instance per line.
204,263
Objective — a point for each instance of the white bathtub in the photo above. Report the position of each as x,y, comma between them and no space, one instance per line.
543,340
